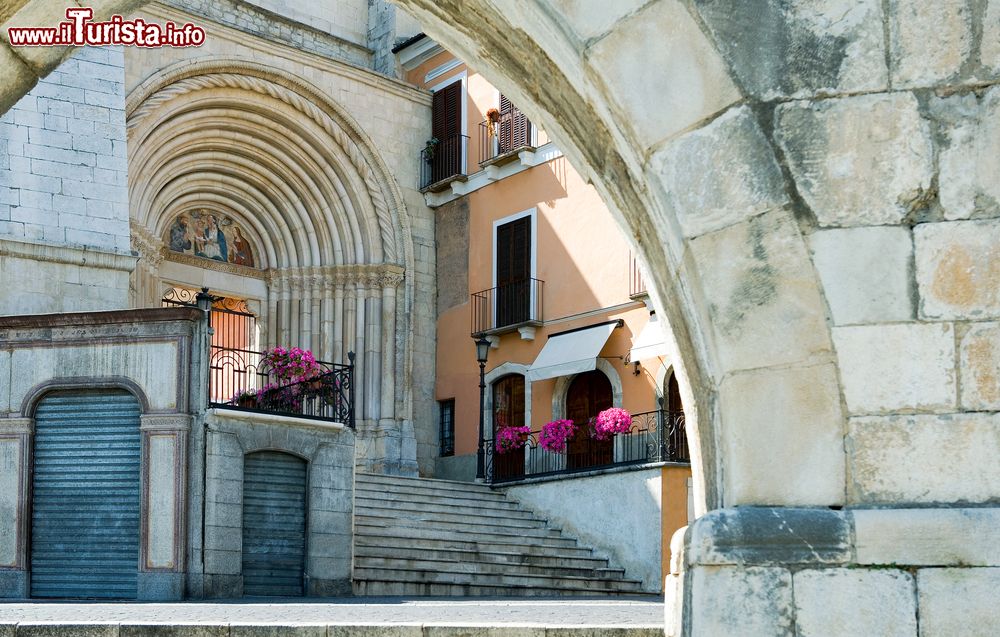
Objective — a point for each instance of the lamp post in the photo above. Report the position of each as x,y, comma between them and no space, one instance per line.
482,352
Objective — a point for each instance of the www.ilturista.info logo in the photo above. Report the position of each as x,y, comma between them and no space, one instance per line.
80,30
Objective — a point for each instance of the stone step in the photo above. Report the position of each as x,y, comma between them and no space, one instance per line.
483,567
380,536
376,588
423,483
435,514
486,531
416,493
495,580
544,558
470,507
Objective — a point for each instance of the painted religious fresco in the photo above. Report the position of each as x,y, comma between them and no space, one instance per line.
203,233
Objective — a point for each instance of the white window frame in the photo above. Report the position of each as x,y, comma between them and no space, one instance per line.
462,77
530,212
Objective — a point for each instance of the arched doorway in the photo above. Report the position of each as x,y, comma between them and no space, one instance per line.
508,411
588,395
85,495
274,524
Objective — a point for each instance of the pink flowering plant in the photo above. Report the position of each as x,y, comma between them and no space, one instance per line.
511,438
555,435
290,365
610,422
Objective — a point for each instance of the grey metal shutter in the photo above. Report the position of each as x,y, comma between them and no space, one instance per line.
85,495
274,524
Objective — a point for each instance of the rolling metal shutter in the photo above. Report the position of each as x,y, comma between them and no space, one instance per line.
274,524
85,506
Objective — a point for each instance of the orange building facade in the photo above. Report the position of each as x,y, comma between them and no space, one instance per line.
530,259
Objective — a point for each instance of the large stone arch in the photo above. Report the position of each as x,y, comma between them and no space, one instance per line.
807,185
326,219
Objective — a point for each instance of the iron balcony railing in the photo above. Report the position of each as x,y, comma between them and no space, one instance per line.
506,133
238,379
507,306
655,436
443,160
636,284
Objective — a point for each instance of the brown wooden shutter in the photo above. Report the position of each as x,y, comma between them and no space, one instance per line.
446,112
514,251
513,127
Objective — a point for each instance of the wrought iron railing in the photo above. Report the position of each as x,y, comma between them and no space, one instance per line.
506,133
239,379
636,284
443,160
655,436
507,305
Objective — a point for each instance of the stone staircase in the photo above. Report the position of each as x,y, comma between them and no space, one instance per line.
415,536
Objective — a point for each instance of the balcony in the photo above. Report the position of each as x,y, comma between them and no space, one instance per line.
655,436
636,284
442,163
239,380
504,136
506,308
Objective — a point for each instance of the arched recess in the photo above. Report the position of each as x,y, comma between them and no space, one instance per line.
495,374
563,383
333,264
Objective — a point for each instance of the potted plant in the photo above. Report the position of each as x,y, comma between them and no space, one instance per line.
246,398
290,365
555,434
429,149
511,438
610,422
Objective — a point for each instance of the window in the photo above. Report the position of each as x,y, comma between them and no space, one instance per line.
446,128
447,410
514,129
513,271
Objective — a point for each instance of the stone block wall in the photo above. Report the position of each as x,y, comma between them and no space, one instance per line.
64,234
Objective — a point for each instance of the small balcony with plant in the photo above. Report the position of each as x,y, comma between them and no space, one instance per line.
503,134
442,161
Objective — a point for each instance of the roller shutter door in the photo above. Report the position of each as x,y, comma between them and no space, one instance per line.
85,495
274,524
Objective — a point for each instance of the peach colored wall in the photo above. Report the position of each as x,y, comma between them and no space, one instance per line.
674,506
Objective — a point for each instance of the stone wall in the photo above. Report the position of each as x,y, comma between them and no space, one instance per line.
617,513
64,235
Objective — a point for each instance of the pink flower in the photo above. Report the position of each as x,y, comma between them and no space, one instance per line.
610,422
511,438
555,434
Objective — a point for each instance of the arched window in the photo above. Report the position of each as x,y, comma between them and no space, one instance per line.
508,411
589,394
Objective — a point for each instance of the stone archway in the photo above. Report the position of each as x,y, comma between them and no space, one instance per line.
819,231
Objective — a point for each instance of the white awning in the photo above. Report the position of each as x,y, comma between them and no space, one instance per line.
571,352
650,343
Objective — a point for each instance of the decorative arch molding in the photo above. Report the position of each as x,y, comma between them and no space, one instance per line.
36,393
495,374
563,382
326,219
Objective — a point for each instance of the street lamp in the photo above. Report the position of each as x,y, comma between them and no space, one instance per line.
482,352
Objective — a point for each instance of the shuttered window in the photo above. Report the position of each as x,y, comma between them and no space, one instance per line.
513,133
446,127
513,266
447,408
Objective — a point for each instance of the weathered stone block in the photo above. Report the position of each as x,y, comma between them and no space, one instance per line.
591,18
791,413
899,459
989,51
928,537
274,630
395,630
205,629
884,368
762,536
721,174
756,275
958,269
798,48
747,601
979,355
485,631
865,273
691,80
968,164
838,602
27,629
928,41
958,602
865,160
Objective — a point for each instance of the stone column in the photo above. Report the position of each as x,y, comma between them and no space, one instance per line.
329,321
340,318
390,377
162,536
15,448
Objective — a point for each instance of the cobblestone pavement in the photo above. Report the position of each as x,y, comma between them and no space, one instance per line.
643,612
